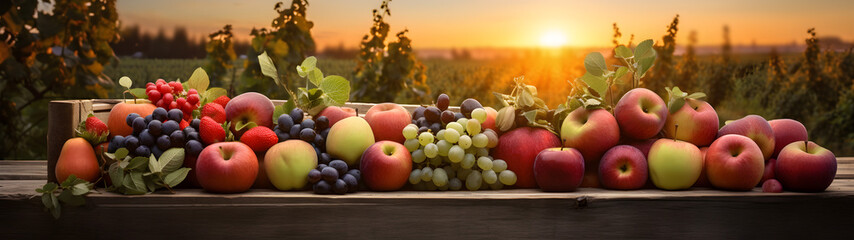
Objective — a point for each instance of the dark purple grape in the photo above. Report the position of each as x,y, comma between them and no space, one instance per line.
193,136
188,130
145,138
422,122
159,114
324,133
193,148
142,151
339,165
163,142
155,127
352,183
130,118
356,173
443,101
313,176
285,122
156,151
322,188
324,158
329,174
196,123
457,116
448,116
321,123
308,123
307,135
131,143
435,127
320,142
321,166
419,112
297,115
433,115
177,138
423,129
282,135
176,115
469,105
295,130
138,125
169,126
119,141
340,187
147,118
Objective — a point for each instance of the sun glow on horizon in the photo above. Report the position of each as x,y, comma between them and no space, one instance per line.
553,38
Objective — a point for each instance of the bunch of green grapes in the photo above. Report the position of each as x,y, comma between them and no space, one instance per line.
456,157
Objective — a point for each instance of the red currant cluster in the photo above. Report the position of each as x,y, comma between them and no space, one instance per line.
171,95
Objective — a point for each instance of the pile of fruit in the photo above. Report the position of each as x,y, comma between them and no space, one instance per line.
231,145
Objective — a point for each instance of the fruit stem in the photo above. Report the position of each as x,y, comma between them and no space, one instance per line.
563,143
675,130
807,145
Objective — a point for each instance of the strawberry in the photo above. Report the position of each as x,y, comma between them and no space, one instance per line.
215,111
259,138
93,130
211,131
183,124
222,100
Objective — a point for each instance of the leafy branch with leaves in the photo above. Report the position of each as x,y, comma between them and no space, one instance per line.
141,175
70,192
332,90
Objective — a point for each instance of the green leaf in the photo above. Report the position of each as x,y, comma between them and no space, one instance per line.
138,93
696,95
153,165
70,199
174,178
46,200
597,83
56,208
337,89
644,64
309,64
199,81
213,93
525,99
595,64
125,82
137,181
151,184
621,71
49,187
531,116
267,67
644,49
675,104
137,162
592,102
116,175
121,153
280,109
80,189
240,125
315,76
172,160
623,52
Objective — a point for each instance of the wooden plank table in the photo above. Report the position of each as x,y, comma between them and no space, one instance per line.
516,213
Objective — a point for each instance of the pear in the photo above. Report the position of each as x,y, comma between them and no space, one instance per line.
77,157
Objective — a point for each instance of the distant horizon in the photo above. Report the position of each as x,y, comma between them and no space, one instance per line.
505,24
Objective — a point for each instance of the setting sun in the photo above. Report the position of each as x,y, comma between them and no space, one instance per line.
553,38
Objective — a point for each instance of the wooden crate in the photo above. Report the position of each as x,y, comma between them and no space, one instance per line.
512,213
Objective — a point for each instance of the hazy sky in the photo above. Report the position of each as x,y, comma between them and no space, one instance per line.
504,23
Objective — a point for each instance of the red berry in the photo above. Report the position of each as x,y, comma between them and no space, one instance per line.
192,91
183,124
165,89
177,87
160,81
181,101
173,105
159,103
168,98
150,88
149,84
153,96
211,131
193,98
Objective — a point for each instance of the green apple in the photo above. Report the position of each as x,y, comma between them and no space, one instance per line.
674,164
348,139
287,164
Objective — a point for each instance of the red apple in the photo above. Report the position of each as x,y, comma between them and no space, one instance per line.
335,113
489,123
772,186
385,166
734,162
559,169
754,127
519,147
640,113
592,132
642,145
623,167
786,131
227,167
262,181
249,107
703,180
805,167
387,121
697,120
768,174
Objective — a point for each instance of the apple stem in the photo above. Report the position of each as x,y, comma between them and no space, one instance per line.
563,143
807,145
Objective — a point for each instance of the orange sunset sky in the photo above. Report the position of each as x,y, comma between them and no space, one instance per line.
504,23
